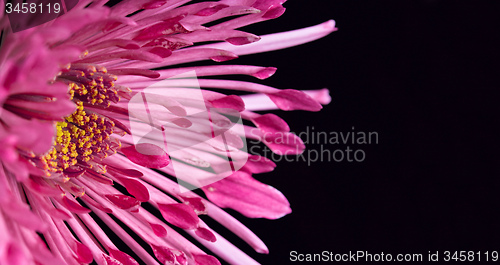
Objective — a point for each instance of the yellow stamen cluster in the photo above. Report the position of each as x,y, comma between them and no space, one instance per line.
77,89
84,136
81,137
94,86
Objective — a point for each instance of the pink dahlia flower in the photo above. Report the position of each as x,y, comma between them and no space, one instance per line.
71,173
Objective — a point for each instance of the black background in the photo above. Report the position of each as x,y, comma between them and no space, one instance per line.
424,75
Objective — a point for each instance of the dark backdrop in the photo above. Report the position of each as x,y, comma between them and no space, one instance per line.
424,75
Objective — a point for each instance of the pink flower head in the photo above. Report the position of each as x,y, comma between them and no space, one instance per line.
68,161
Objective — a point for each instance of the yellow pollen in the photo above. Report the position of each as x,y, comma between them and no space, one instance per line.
84,137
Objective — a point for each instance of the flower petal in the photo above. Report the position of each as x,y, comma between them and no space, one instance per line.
163,254
122,257
248,196
229,102
159,230
205,234
290,99
123,201
271,123
136,189
180,215
147,155
279,41
206,260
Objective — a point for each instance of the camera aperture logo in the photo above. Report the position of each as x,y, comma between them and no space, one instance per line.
205,141
322,146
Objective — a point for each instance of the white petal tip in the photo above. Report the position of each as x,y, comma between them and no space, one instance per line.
330,25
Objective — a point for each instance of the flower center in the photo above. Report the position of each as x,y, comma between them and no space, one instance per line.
84,136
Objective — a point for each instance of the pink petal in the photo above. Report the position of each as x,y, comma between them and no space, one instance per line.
98,177
211,10
278,41
205,260
271,123
39,142
253,199
159,230
196,203
122,257
229,102
154,4
181,258
259,164
265,73
134,71
97,205
57,107
74,206
42,189
160,51
83,253
136,189
59,214
163,254
290,99
111,261
320,95
126,172
234,37
22,215
266,4
9,153
140,55
13,254
274,12
147,155
168,27
205,234
122,43
284,143
19,169
123,201
182,122
180,215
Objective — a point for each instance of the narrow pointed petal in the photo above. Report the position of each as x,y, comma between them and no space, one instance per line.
136,189
271,123
122,257
84,255
294,100
205,234
73,206
159,230
229,102
147,155
164,255
279,41
123,202
206,260
259,164
248,196
179,215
